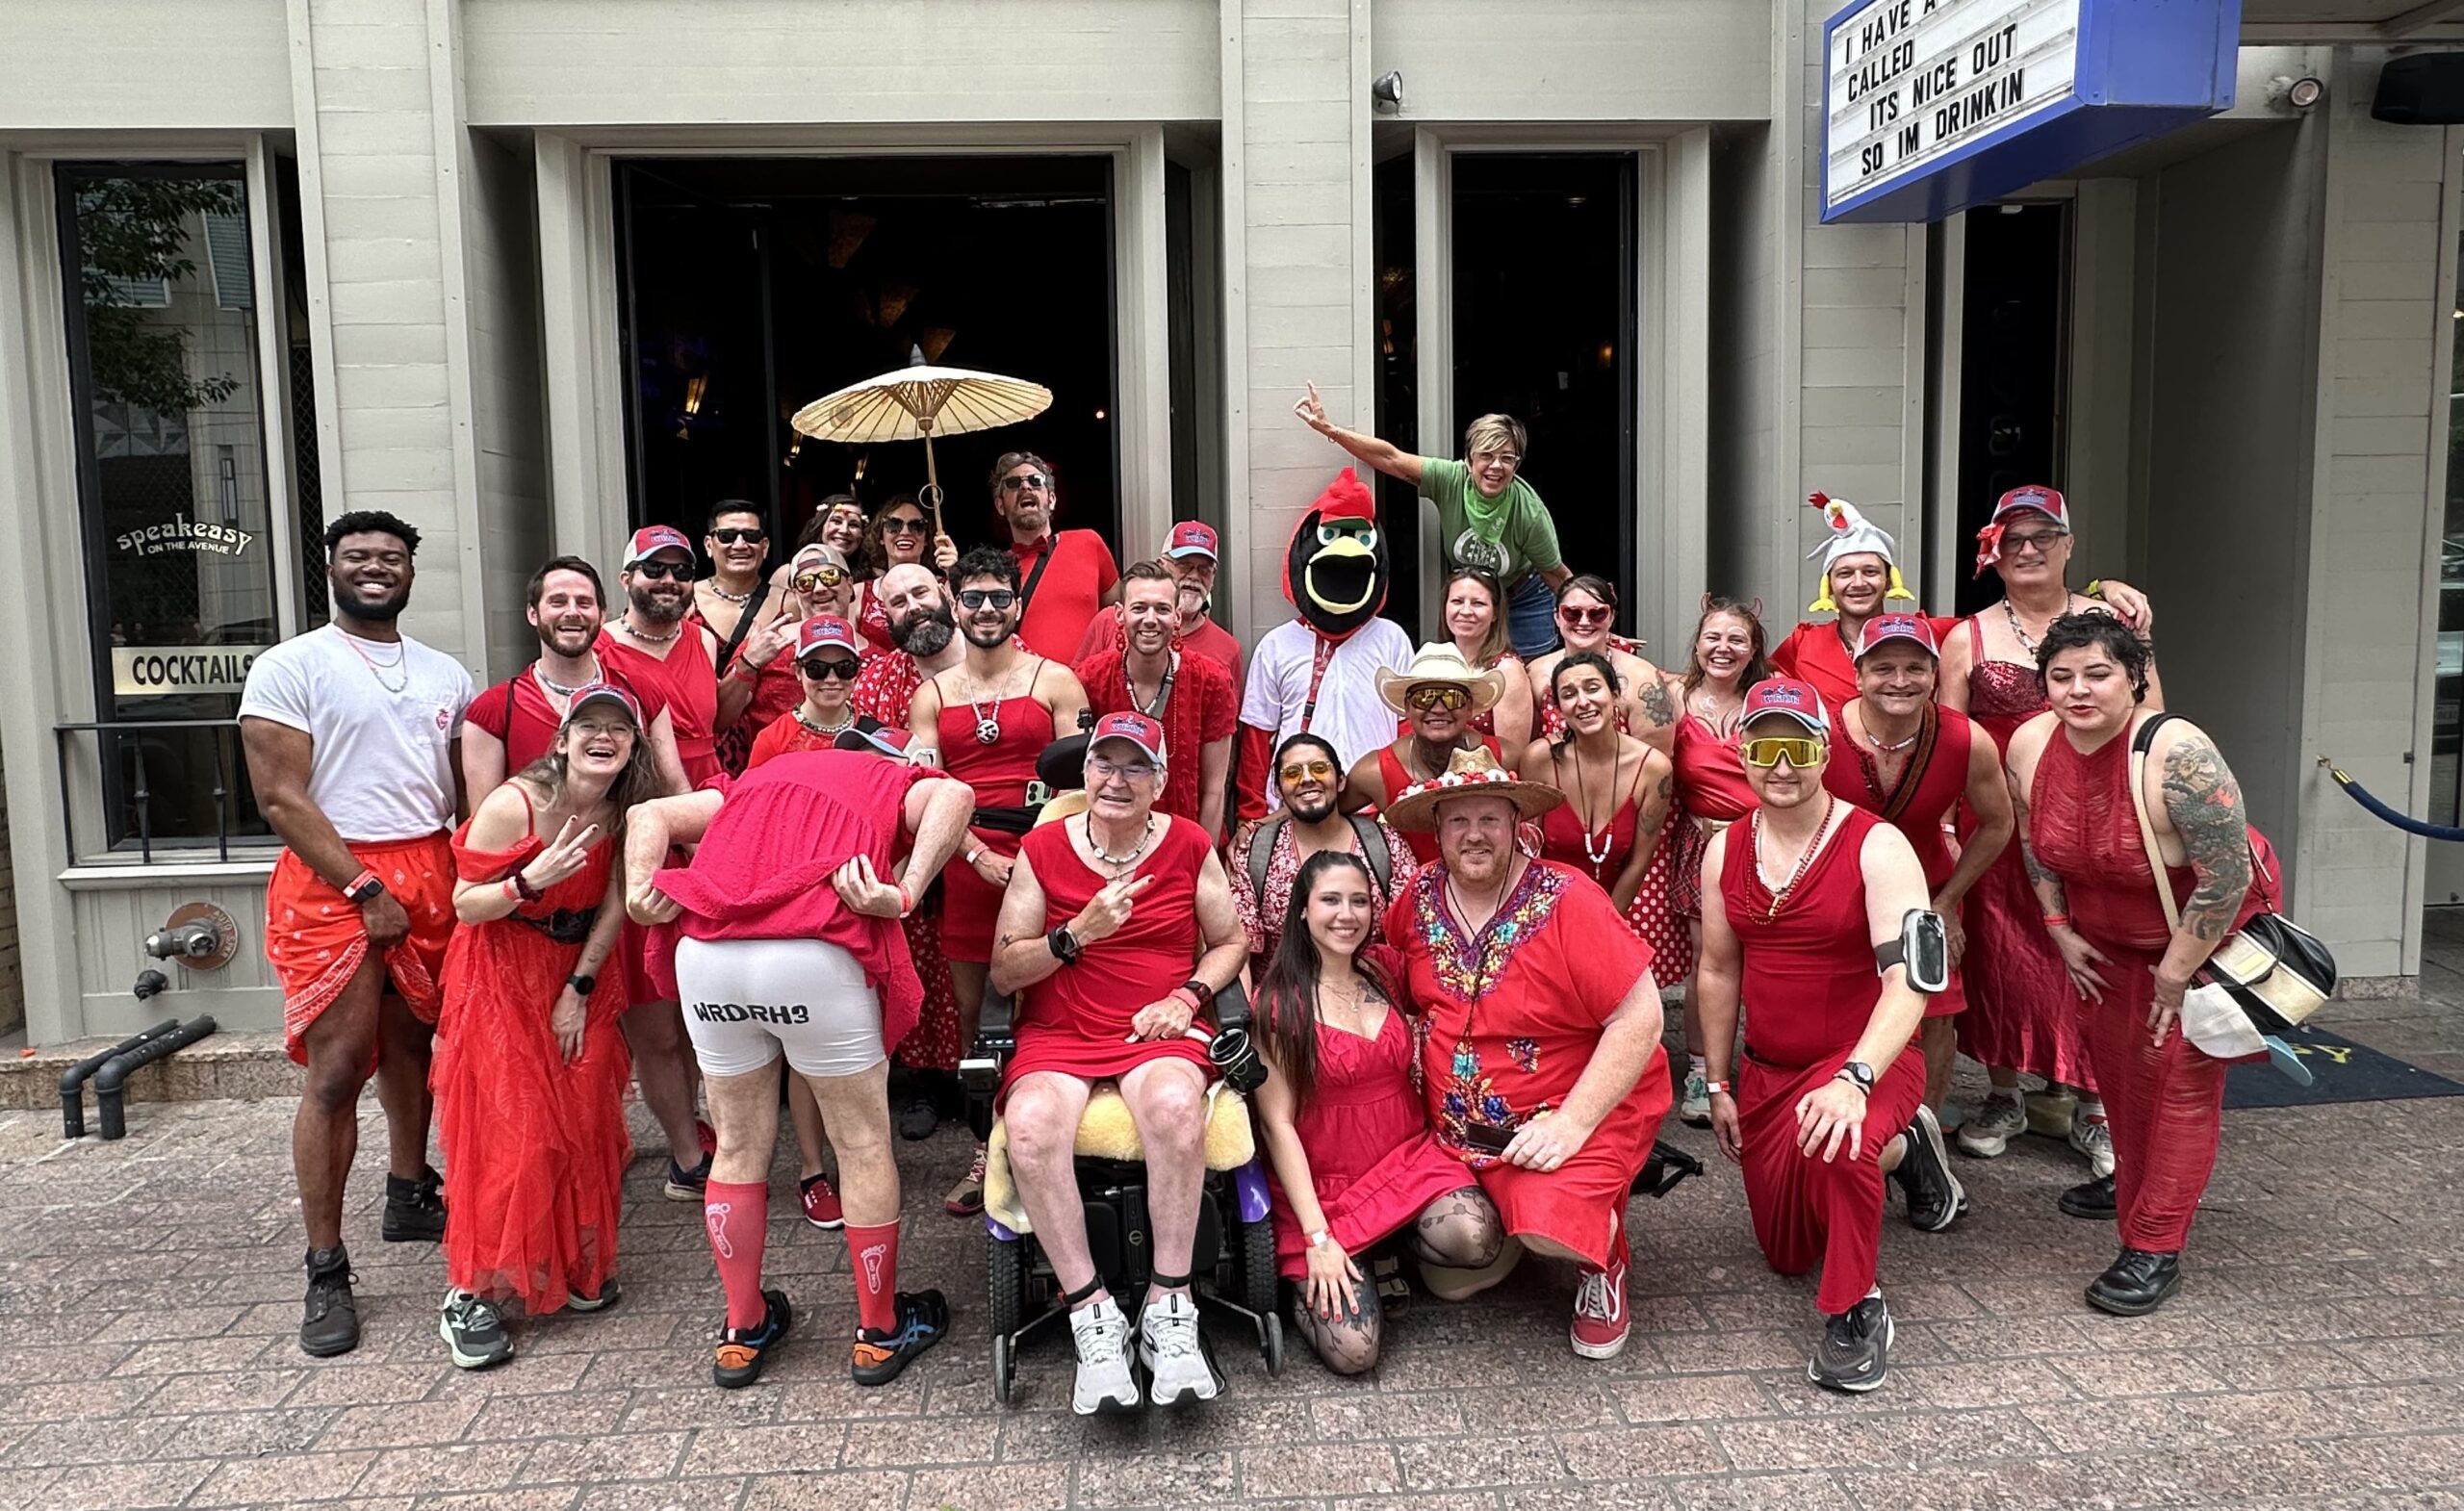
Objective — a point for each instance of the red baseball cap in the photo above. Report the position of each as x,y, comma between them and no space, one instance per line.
1784,697
1897,627
1136,728
652,539
826,632
880,739
589,693
1191,538
2045,501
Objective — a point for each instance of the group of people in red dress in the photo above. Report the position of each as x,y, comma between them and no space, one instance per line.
757,816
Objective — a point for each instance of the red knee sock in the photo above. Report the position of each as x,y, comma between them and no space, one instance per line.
873,1254
737,1215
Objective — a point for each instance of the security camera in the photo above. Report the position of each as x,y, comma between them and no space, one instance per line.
1386,94
2289,95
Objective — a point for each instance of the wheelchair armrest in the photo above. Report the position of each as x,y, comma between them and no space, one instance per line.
1667,1168
1232,1006
987,1059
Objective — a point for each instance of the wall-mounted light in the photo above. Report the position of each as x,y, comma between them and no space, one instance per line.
2288,96
1386,94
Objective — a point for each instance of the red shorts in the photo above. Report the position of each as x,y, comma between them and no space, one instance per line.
315,940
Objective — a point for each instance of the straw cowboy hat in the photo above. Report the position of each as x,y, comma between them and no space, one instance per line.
1472,773
1442,666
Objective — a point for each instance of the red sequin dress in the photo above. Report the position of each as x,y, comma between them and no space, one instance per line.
2022,1012
534,1148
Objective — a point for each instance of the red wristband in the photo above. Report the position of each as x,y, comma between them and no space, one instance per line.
906,899
2057,920
1185,997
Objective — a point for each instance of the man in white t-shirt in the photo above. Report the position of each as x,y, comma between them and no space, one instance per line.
350,732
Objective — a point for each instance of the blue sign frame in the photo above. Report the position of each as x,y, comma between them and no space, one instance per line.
2144,67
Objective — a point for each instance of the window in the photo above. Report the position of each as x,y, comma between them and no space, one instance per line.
174,499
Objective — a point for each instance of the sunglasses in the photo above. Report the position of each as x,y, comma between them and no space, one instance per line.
1585,617
819,578
1024,481
1769,750
1307,771
978,597
1435,695
665,571
2033,540
735,534
903,524
822,668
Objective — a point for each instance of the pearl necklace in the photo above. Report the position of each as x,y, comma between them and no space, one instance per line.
1598,857
1121,865
560,689
825,729
745,597
646,637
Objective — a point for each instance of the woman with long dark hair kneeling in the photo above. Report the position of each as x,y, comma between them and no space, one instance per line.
1352,1160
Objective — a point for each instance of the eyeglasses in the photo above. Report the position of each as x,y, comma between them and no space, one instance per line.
733,534
1307,771
820,577
2012,545
903,524
1583,617
665,571
977,598
1436,695
1769,750
1024,481
822,668
1135,770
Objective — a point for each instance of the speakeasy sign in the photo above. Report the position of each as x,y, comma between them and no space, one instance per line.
1933,106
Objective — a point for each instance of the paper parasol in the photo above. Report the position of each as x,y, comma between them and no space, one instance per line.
920,401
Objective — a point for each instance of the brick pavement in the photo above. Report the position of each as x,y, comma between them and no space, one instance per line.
2314,1356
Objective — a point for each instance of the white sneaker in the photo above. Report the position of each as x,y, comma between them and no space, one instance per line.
2093,1138
1694,1107
1104,1380
1167,1345
1989,1130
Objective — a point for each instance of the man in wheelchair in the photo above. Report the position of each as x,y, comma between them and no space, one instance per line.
1118,930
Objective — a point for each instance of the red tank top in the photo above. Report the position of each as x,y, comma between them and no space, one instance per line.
999,772
1139,963
1932,783
2085,829
686,682
1564,840
1710,775
1390,768
1809,983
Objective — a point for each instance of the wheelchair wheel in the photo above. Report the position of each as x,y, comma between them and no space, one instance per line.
1004,1368
1260,1286
1006,1272
1274,1330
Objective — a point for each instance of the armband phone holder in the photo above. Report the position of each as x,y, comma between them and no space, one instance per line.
1924,947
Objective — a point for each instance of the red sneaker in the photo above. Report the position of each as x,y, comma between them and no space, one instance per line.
1601,1321
821,1203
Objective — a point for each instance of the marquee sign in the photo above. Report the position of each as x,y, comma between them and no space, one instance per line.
1933,106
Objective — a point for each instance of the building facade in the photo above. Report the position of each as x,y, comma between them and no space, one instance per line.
528,273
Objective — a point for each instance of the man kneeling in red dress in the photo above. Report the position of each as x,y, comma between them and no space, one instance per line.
1117,930
1541,1059
1804,905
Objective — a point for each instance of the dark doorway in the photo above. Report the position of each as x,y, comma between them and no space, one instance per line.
2014,365
1395,241
754,286
1543,330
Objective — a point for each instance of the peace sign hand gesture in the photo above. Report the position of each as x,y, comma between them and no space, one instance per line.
567,855
1107,910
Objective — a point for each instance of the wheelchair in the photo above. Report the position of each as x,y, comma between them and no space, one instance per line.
1232,1261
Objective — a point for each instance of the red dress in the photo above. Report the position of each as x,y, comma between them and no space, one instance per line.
1929,789
535,1149
1373,1161
1667,896
872,621
1397,779
2164,1105
685,681
999,774
2024,1013
1076,1021
1808,988
1710,784
1513,1015
1202,710
1564,840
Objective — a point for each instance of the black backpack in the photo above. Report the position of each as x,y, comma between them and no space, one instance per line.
1372,850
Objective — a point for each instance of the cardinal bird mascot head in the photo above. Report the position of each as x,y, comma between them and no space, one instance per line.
1336,572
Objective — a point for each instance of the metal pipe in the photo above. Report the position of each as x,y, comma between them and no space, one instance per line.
72,1081
113,1078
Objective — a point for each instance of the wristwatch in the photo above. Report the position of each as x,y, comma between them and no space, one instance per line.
1064,944
582,986
1860,1073
367,886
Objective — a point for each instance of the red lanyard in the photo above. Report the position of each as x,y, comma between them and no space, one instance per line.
1316,675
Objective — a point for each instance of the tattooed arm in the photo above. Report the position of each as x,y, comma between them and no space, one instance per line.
2200,805
1651,709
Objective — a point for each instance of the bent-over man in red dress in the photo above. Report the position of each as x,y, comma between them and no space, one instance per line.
1541,1058
1804,902
1117,931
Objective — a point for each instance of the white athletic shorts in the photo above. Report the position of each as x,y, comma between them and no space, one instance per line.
745,1000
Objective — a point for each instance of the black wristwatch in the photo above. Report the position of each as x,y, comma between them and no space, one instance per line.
582,986
1860,1074
367,891
1064,944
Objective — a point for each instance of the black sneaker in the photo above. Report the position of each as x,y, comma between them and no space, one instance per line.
1934,1196
923,1318
683,1185
737,1363
609,1294
414,1209
329,1323
2136,1283
1854,1355
2093,1200
474,1332
917,1119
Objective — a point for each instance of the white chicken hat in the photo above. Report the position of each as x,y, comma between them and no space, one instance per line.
1852,534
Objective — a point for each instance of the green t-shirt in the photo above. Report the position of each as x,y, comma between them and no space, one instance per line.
1526,536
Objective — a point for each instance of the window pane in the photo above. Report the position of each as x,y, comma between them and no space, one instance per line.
179,555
